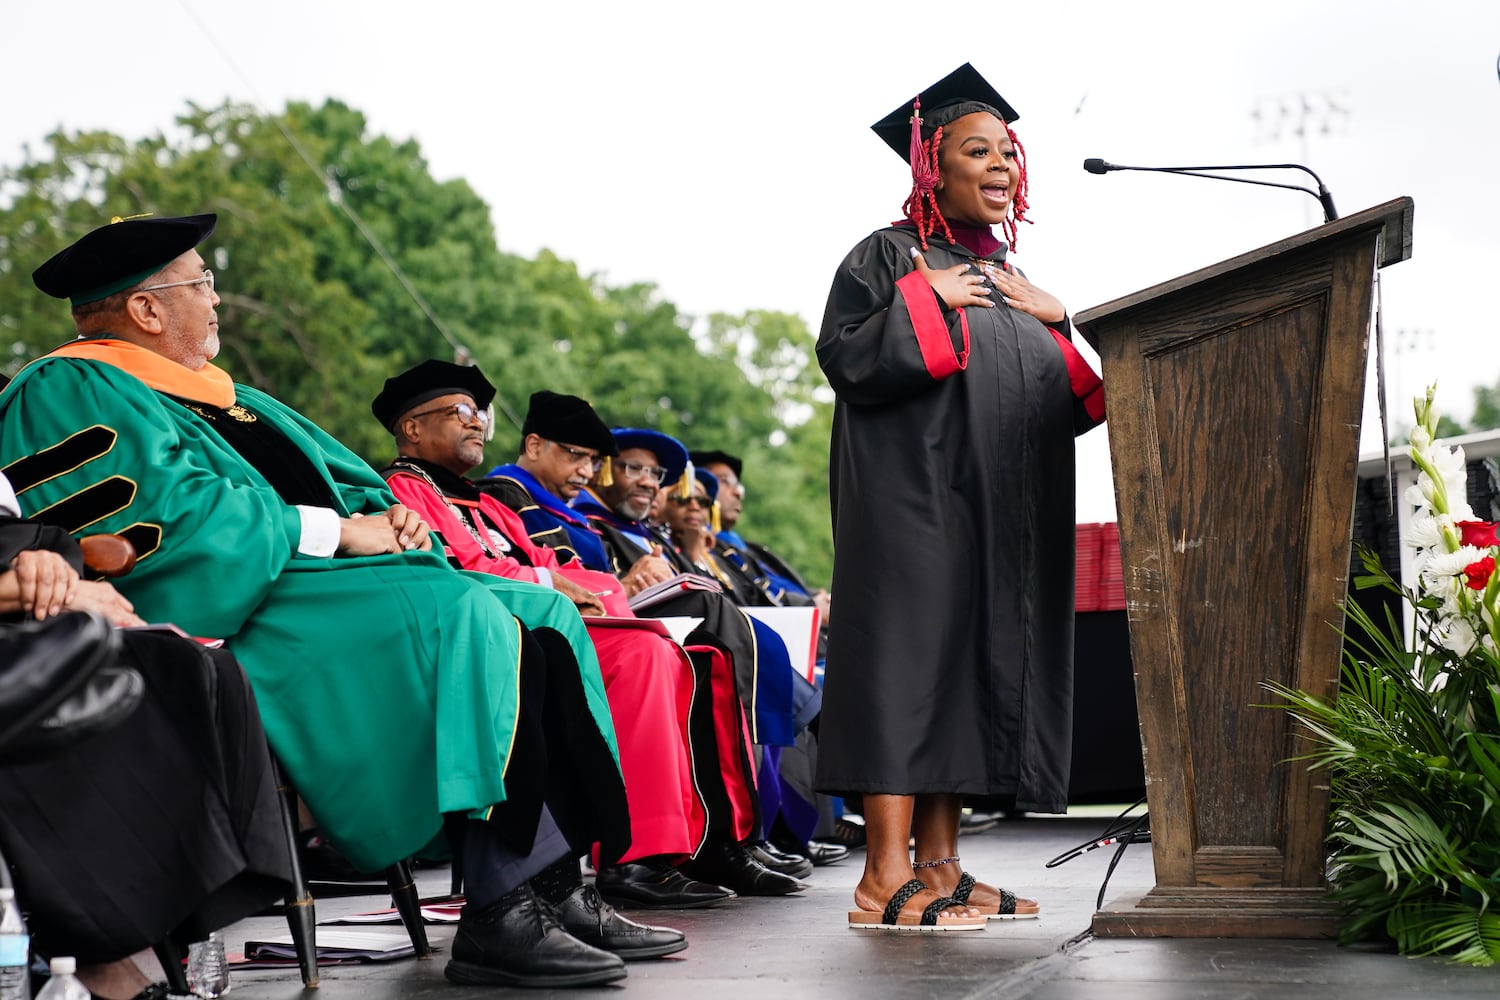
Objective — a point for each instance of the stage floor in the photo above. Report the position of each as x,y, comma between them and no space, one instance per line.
799,947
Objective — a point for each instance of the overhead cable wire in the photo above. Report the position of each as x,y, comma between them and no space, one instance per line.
461,353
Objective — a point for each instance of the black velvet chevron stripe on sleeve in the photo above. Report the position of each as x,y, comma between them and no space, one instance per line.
89,505
63,457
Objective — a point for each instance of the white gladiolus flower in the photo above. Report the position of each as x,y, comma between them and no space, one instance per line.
1419,494
1449,463
1420,439
1448,460
1458,636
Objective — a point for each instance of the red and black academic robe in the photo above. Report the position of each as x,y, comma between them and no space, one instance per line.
685,777
950,661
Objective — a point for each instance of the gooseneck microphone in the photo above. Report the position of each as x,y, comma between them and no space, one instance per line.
1094,165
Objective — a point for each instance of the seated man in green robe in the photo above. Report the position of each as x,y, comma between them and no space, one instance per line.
396,691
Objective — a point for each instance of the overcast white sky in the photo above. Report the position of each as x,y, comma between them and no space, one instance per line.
722,151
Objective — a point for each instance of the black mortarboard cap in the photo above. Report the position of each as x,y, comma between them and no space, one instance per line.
567,420
112,258
428,380
960,93
702,458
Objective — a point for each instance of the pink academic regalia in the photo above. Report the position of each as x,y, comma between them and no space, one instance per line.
649,681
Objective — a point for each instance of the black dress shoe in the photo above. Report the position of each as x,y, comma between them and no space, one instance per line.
825,852
656,886
593,921
778,860
849,830
728,863
517,941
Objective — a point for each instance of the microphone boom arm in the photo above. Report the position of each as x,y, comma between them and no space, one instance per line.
1324,197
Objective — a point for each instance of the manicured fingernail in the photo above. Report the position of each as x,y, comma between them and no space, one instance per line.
915,253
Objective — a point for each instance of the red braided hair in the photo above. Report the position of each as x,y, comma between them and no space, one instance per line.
1019,203
921,205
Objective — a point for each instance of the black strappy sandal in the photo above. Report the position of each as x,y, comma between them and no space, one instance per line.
932,918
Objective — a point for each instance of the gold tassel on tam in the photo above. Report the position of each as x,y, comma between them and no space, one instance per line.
713,517
685,484
606,474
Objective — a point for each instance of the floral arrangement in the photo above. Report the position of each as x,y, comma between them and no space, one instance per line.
1455,552
1412,742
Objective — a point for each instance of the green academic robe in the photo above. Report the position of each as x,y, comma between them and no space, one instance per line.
388,685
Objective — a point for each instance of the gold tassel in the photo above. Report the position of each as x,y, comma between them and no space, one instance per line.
685,484
713,517
606,474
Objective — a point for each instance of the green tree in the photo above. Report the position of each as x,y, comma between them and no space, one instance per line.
1486,407
341,260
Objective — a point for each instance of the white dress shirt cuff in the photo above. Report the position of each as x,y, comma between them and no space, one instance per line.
543,576
320,531
8,502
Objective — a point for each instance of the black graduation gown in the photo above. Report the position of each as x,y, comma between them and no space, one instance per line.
950,661
168,824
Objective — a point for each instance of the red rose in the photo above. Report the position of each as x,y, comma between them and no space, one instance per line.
1479,572
1480,534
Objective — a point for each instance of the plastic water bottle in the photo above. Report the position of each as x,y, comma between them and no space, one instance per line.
15,950
64,985
208,970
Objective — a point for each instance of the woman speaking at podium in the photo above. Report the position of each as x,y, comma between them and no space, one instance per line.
950,663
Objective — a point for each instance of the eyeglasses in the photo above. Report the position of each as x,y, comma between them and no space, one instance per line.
466,413
733,485
206,279
579,456
631,471
702,503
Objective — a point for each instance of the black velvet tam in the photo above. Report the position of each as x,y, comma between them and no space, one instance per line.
112,258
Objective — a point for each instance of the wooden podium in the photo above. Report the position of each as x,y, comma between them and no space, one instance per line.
1235,399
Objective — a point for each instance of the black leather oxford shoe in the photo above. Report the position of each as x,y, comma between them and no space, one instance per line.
825,852
786,862
518,941
656,886
593,921
729,864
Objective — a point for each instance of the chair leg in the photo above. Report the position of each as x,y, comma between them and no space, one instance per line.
301,915
170,954
455,829
409,905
